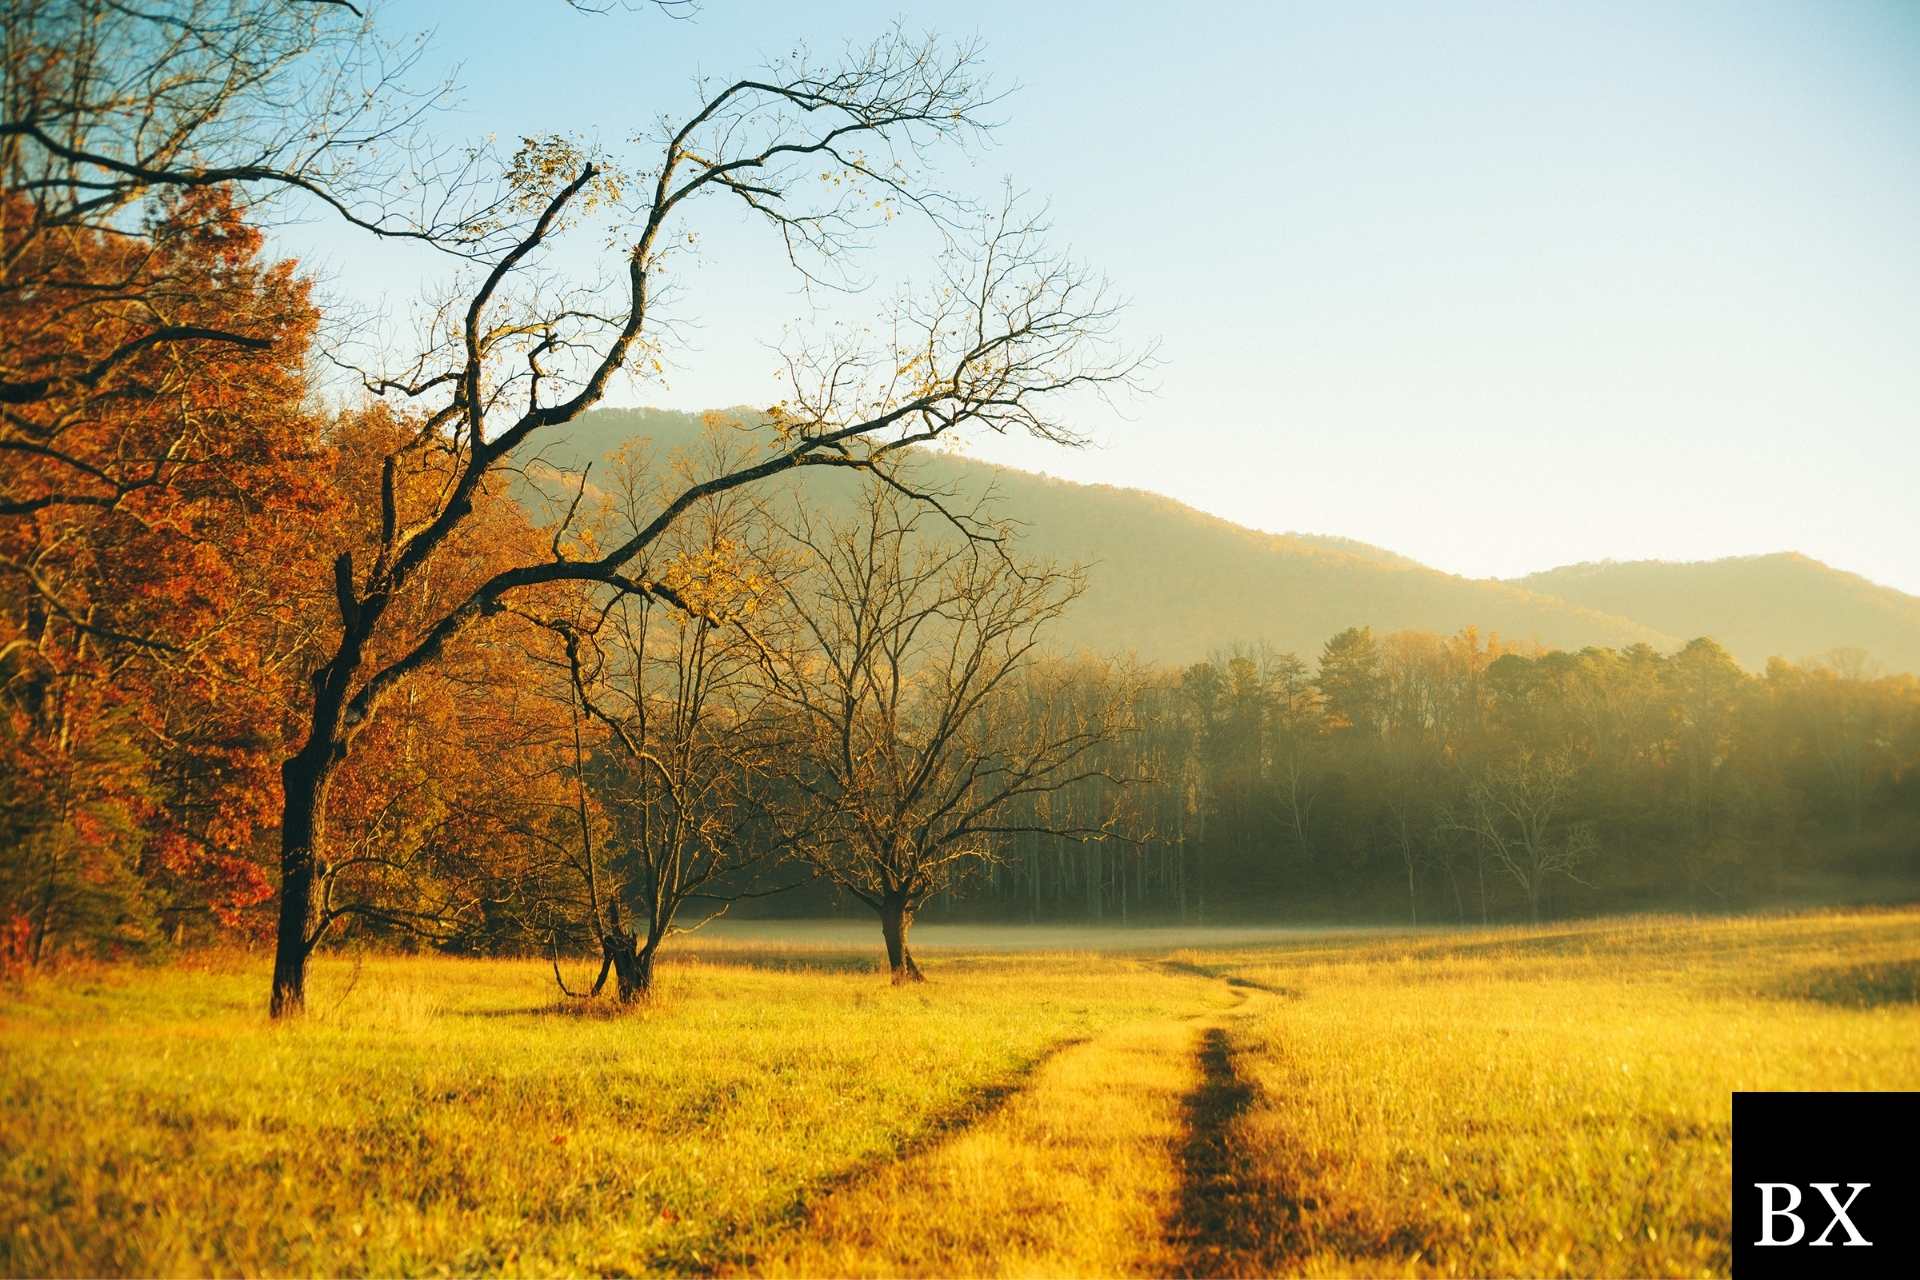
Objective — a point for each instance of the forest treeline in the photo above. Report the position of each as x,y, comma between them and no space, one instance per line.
300,649
1456,778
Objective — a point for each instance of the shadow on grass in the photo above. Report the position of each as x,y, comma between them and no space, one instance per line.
1859,986
1243,985
773,960
601,1009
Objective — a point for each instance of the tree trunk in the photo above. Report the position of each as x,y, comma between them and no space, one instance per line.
1180,876
305,785
632,967
43,914
305,778
895,920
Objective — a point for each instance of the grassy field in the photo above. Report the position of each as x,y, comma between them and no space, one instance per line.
1533,1101
1548,1101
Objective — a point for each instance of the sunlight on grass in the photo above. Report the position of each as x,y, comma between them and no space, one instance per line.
438,1115
1076,1175
1544,1102
1508,1101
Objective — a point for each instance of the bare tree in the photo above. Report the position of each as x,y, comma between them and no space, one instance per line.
930,742
1516,811
694,745
1010,328
105,103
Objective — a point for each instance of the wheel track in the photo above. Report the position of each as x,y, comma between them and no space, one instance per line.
1173,1081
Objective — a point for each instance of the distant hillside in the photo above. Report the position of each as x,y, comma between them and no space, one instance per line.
1784,605
1173,584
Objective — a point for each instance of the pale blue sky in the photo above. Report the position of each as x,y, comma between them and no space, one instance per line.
1498,286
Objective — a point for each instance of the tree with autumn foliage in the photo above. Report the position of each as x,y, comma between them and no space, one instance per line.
427,820
160,614
146,637
157,468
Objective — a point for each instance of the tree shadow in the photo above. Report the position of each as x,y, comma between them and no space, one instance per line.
778,960
1243,985
1874,985
601,1009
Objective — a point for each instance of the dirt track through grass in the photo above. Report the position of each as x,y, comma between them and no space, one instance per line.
974,1110
1228,1215
1114,1157
1212,1227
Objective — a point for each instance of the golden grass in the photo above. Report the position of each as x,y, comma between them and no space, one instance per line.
439,1117
1076,1175
1481,1102
1551,1101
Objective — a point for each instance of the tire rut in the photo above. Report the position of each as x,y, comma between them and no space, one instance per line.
1227,1216
1208,1215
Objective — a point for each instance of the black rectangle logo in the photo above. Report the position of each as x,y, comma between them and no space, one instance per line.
1824,1183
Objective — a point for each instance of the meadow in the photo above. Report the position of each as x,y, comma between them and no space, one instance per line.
1547,1100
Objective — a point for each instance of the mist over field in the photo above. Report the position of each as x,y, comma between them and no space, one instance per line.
837,936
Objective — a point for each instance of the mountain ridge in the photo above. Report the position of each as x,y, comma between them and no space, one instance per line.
1773,604
1172,583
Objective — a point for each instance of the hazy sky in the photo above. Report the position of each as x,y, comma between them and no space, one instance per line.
1498,286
